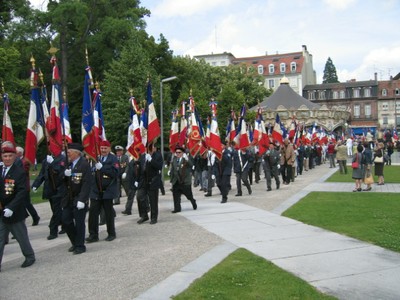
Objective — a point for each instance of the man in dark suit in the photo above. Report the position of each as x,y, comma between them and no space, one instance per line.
223,171
181,179
78,180
52,174
103,192
123,161
13,199
150,165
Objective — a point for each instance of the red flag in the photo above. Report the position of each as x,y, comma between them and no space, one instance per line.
242,138
135,144
7,130
194,137
53,123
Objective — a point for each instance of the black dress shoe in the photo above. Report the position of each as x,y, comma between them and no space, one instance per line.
153,222
79,251
126,213
238,195
269,189
62,231
194,204
92,239
36,221
142,220
224,201
51,237
175,211
110,238
71,249
28,262
207,195
277,186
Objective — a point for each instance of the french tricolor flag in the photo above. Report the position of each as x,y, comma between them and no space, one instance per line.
153,127
7,133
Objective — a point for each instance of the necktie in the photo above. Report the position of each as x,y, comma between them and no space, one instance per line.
4,171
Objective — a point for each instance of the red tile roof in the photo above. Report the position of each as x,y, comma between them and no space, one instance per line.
276,60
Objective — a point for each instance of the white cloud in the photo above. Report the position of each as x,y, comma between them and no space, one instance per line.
185,8
339,4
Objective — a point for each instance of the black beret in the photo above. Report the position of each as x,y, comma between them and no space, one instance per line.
75,146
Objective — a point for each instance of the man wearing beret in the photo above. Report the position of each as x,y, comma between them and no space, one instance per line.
13,198
103,192
78,179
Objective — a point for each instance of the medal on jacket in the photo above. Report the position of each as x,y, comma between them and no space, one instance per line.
9,185
76,178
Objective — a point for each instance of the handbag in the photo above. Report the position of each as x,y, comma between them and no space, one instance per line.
368,179
355,164
378,159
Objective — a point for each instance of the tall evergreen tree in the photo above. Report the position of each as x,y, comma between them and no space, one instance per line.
330,75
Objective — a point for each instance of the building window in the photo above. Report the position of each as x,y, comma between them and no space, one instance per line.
342,94
385,106
311,95
397,105
335,95
283,67
397,91
356,111
213,63
367,110
384,92
356,93
367,92
271,83
223,63
271,69
385,120
321,95
260,69
293,67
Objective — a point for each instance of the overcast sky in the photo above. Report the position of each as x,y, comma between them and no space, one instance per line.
360,36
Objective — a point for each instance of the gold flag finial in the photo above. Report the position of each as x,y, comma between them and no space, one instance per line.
87,56
32,60
97,86
41,76
53,50
131,92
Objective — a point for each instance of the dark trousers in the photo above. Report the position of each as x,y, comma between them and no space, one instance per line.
94,212
223,185
287,171
178,190
257,171
242,177
31,210
129,201
55,221
146,198
272,173
73,220
19,231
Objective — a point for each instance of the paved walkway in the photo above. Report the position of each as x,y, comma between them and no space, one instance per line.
158,261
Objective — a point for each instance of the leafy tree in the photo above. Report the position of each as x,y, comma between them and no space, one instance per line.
330,75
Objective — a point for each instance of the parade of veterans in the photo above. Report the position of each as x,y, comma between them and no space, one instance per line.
128,172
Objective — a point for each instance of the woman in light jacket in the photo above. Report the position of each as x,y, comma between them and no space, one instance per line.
379,151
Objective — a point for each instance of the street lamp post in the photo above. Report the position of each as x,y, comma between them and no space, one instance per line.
162,117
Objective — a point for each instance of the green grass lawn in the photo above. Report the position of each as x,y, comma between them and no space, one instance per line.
243,275
391,175
370,217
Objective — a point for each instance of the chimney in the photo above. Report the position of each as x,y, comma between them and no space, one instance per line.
376,76
304,47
